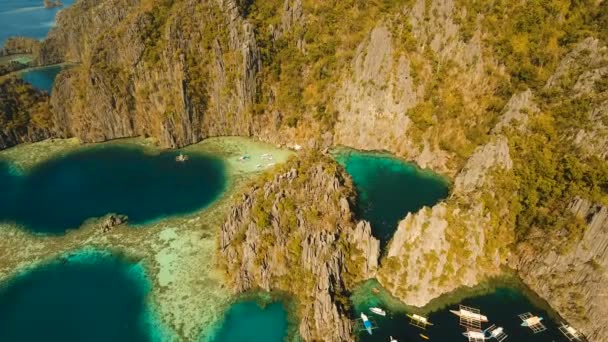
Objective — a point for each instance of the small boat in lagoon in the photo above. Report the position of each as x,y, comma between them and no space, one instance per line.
418,321
378,311
181,158
424,336
470,315
475,335
570,333
393,339
366,323
531,321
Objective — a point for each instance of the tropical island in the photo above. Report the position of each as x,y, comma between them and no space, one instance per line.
505,102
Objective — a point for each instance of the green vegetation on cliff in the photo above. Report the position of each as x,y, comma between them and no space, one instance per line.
24,113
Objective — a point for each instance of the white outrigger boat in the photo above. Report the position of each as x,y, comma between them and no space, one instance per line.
366,323
475,335
419,321
464,313
571,333
533,322
181,158
378,311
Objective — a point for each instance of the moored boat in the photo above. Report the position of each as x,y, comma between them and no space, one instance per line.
181,158
475,335
378,311
531,321
469,315
366,323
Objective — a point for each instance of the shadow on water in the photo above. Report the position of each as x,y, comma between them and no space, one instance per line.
98,298
500,302
62,193
389,188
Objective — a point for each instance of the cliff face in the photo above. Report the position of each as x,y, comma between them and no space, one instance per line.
24,113
392,94
178,71
455,243
295,233
573,282
569,267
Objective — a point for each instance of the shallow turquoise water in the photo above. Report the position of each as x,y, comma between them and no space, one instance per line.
501,307
27,18
389,188
61,193
42,78
246,321
98,297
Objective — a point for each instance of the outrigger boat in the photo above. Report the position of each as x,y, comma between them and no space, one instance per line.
475,335
531,321
418,321
378,311
366,323
469,315
571,333
181,158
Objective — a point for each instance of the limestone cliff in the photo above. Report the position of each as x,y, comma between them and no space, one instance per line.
294,232
455,243
24,113
573,282
401,76
178,71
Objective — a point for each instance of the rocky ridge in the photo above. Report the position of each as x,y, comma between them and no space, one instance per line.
24,113
294,232
459,242
573,282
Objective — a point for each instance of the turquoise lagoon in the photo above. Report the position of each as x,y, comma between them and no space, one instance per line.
63,192
389,188
86,296
42,78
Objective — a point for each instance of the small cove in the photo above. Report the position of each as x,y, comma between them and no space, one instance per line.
84,296
42,78
389,188
61,193
501,304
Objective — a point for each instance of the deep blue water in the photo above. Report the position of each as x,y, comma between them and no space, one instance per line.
42,78
501,306
26,18
98,298
388,189
61,193
247,321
